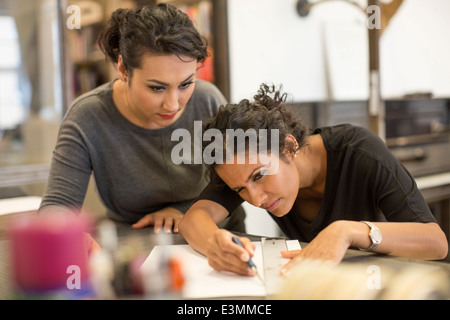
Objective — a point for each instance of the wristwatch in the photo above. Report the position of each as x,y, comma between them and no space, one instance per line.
375,236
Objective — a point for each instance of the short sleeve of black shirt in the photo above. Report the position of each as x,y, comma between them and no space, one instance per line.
220,193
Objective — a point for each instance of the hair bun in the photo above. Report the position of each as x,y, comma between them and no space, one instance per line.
109,38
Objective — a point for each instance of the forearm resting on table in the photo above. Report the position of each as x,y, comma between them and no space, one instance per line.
58,209
200,223
416,240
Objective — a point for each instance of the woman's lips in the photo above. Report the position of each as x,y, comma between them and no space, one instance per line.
167,116
273,206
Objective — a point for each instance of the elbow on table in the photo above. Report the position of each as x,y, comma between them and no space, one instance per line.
182,225
440,252
186,226
440,246
443,249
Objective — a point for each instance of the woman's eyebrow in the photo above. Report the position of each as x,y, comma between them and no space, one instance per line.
249,177
157,81
188,78
166,84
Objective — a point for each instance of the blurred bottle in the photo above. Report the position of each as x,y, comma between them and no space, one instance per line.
164,279
101,262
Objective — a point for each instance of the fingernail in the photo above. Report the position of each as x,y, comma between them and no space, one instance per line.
157,230
245,257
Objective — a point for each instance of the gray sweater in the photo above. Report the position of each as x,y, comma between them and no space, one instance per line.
132,166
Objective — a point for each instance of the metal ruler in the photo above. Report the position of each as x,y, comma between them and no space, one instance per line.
273,261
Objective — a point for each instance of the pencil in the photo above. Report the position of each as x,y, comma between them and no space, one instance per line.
250,262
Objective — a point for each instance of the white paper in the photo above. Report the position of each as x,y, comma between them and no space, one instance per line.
19,204
202,281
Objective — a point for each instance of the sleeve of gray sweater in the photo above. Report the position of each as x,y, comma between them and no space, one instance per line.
133,167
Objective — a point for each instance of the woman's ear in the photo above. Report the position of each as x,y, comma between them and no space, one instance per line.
291,146
121,69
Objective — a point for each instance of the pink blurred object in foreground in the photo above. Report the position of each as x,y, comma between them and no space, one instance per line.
49,252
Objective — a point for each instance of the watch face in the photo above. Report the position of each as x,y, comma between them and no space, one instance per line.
375,234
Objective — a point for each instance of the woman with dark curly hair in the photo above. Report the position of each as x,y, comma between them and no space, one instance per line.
335,188
121,131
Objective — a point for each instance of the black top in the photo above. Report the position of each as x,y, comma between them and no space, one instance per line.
364,182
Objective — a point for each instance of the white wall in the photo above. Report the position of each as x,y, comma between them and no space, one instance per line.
415,49
258,222
267,43
325,56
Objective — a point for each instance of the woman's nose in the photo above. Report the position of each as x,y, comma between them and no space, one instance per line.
171,101
257,196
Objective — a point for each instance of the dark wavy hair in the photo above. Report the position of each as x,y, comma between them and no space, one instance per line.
267,111
161,29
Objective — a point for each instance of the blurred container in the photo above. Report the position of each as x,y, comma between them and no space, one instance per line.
50,254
